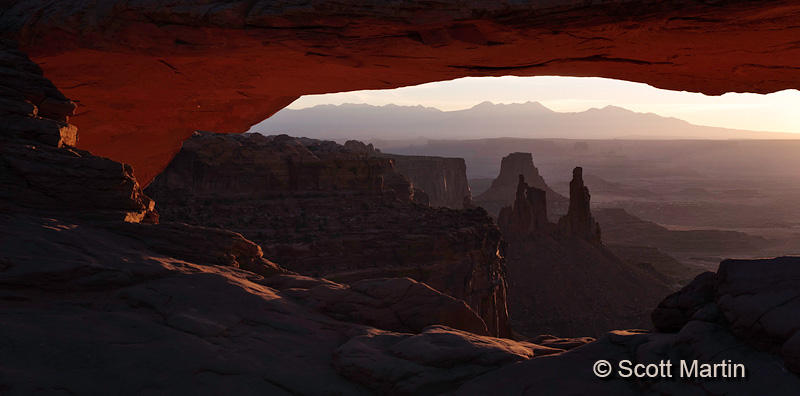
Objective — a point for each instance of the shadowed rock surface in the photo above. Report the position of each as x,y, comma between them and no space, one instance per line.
763,309
88,309
32,107
728,316
396,304
325,210
92,318
39,168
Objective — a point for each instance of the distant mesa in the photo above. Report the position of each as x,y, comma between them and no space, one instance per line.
442,180
504,188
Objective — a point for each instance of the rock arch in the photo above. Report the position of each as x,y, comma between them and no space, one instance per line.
146,74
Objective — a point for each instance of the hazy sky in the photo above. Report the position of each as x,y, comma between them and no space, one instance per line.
778,112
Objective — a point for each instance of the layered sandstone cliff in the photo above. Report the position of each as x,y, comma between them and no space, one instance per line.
326,210
561,278
255,166
444,180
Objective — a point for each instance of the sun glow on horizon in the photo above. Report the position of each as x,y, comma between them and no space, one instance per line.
775,112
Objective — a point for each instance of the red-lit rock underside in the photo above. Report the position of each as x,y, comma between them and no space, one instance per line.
145,74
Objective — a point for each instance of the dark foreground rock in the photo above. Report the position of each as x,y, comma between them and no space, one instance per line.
743,314
91,309
396,304
761,300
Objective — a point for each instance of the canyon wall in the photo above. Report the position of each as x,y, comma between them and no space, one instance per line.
145,75
326,210
444,180
256,166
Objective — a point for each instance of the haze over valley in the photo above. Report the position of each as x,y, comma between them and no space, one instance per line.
695,194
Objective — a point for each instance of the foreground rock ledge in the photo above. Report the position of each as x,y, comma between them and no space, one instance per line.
147,74
95,308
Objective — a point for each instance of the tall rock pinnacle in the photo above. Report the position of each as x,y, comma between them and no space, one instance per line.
528,214
578,220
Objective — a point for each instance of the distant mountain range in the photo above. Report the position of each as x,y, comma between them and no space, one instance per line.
486,120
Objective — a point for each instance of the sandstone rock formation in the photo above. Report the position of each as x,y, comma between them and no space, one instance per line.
253,165
719,317
759,299
200,245
561,278
39,168
579,221
677,309
108,303
444,180
528,215
146,75
427,363
503,188
32,107
95,308
321,209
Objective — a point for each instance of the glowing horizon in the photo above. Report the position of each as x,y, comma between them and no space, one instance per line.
775,112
